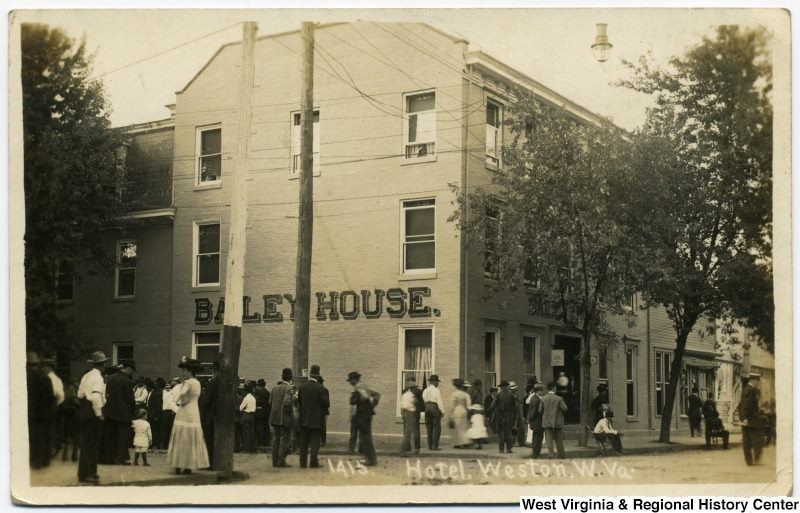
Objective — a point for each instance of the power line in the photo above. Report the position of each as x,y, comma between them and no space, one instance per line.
163,52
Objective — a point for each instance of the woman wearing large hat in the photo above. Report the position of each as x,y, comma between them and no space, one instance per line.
187,447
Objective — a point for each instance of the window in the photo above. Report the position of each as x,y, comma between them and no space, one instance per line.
420,125
126,269
494,133
417,347
419,236
491,360
490,240
602,365
297,130
65,282
206,253
662,379
122,351
629,303
209,155
529,355
630,381
205,348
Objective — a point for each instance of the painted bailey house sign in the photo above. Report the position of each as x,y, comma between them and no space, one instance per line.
347,304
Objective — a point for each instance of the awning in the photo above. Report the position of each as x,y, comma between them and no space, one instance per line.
701,363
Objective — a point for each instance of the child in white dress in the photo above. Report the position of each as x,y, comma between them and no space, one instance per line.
142,437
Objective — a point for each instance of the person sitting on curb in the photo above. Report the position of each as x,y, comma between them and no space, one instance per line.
606,428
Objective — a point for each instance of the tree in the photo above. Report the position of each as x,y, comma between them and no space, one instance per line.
705,155
72,178
553,222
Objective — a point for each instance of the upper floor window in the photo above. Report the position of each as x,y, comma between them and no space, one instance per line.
206,253
420,125
297,130
209,155
494,132
419,236
205,347
125,283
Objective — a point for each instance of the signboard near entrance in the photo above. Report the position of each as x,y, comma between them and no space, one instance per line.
557,358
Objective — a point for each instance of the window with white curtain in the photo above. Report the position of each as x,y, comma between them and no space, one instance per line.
420,125
417,354
494,132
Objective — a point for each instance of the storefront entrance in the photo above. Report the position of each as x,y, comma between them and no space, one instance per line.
567,375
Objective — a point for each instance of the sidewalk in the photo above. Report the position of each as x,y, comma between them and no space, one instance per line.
64,473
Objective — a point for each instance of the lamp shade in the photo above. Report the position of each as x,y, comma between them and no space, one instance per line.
601,47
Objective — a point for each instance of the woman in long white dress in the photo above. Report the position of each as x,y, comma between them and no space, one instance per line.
187,447
458,415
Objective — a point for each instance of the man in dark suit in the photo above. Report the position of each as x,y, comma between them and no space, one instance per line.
694,412
41,406
553,409
155,412
262,413
506,411
119,411
751,420
535,419
280,418
364,401
313,403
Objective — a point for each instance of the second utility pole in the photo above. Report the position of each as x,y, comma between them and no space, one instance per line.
224,431
305,225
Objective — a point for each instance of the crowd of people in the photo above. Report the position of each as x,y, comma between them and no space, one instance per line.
109,412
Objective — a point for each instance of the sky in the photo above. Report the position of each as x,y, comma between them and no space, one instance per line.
159,51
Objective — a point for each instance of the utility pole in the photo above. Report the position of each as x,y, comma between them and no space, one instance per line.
305,225
224,432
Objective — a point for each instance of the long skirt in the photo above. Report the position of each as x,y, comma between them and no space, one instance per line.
460,426
187,448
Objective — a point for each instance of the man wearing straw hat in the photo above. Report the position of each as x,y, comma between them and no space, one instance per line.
92,397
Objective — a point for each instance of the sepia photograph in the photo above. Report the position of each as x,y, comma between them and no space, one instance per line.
392,256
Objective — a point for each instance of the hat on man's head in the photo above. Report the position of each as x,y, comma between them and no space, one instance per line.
458,382
539,386
504,383
130,364
48,360
353,375
492,389
32,358
512,385
314,371
262,382
98,357
602,387
286,374
433,379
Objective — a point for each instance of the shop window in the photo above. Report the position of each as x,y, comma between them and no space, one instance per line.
419,236
662,379
205,348
122,351
209,155
417,347
297,131
206,253
420,125
631,363
529,343
494,133
491,359
125,271
65,282
602,365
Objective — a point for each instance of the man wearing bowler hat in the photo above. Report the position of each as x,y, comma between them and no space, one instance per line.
92,397
364,401
281,418
434,408
119,411
506,410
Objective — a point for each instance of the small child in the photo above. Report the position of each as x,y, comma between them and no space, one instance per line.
477,429
142,437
